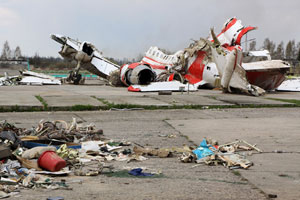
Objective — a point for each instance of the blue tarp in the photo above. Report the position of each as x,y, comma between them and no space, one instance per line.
203,150
138,172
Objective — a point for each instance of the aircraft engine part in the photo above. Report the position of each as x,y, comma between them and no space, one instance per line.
137,73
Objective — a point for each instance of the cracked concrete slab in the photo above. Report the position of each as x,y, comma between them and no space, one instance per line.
271,134
136,100
188,99
247,100
70,100
21,100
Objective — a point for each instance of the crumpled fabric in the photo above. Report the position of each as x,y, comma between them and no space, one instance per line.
204,150
36,152
138,172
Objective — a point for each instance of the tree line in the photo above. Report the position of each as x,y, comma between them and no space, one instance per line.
289,52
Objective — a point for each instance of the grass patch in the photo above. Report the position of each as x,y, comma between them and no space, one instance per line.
83,107
125,174
17,108
107,105
237,173
45,104
294,101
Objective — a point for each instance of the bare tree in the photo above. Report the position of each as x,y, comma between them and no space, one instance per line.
298,52
17,53
279,53
270,46
6,52
294,50
289,50
252,46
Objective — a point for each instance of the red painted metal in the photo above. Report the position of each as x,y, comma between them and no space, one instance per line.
195,71
268,80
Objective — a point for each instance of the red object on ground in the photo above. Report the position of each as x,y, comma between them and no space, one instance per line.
51,161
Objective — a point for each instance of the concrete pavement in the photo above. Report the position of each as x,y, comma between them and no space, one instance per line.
96,94
272,129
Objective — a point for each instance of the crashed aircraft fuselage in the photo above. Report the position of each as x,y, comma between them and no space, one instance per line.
214,62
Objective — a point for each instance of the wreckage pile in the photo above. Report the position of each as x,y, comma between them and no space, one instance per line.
229,155
30,157
29,78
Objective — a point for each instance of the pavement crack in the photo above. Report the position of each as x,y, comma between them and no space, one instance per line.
82,119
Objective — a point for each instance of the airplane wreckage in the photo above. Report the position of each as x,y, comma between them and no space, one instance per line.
218,61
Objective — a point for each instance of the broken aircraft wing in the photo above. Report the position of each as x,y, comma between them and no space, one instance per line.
85,53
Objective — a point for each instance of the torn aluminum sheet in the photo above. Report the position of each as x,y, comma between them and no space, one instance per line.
291,85
29,80
34,78
232,32
230,38
233,76
9,80
163,86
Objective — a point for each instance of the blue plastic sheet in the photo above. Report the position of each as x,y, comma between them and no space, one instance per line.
203,150
138,172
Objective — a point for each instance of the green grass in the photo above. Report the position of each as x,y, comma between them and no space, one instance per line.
45,104
294,101
79,107
107,106
237,173
17,108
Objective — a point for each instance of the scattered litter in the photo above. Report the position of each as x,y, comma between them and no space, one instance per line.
210,153
37,157
90,168
162,153
168,135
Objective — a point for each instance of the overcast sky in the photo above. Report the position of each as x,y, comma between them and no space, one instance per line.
125,28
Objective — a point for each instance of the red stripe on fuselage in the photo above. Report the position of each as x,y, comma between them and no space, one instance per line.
195,71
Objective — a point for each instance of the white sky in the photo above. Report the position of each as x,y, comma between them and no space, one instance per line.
125,28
